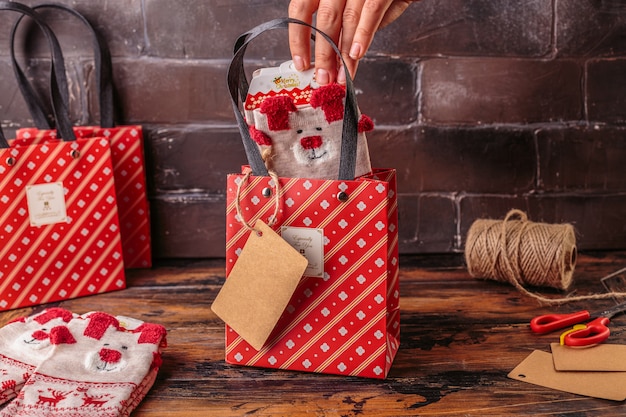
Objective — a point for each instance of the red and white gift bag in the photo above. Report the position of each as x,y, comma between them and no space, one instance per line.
346,320
343,317
59,227
130,183
127,147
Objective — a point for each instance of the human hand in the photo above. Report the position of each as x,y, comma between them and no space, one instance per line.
350,23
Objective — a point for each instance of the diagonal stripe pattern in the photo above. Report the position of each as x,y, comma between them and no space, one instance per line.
347,322
127,153
80,255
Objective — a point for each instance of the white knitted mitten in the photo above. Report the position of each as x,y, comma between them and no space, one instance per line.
25,343
106,372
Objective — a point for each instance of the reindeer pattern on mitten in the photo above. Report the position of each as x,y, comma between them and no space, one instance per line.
103,370
25,342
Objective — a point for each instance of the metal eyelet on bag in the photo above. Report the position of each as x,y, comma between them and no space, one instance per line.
273,218
10,161
342,196
75,153
267,192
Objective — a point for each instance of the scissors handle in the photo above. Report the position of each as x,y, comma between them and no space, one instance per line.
595,332
551,322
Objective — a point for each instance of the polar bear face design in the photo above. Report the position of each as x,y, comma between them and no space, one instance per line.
35,335
305,141
110,352
314,142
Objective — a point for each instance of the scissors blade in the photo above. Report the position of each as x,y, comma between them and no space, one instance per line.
610,312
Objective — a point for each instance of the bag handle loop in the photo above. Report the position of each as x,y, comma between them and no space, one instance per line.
238,84
274,217
58,82
103,67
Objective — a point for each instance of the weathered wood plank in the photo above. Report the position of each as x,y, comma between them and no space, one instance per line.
459,339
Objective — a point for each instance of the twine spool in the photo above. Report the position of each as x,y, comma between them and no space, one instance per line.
521,251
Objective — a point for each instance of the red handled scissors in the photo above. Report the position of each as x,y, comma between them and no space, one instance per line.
594,332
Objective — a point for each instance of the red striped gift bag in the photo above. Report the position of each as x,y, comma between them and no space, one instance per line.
59,227
130,183
127,144
343,317
346,319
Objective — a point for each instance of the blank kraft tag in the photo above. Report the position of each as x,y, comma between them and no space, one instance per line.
602,357
538,369
260,285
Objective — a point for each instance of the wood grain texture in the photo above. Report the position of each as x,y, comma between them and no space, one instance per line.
459,339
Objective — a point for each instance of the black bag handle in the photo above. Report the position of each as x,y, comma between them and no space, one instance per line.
238,87
103,66
58,81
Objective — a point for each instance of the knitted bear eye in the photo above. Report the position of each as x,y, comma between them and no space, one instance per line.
124,347
106,344
299,131
319,129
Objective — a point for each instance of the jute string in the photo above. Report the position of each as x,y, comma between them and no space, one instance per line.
274,217
521,252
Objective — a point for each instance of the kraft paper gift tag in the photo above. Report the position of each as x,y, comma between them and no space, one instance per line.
260,285
602,357
538,369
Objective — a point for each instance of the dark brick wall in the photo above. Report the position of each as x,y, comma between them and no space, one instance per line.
481,105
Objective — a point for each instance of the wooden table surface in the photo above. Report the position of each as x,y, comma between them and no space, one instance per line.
460,337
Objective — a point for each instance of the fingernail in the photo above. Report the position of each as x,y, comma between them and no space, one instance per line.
322,77
356,50
341,76
298,62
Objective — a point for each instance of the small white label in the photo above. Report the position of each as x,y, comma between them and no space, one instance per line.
128,323
310,243
46,203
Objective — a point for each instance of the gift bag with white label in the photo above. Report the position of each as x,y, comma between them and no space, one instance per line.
59,227
343,315
127,147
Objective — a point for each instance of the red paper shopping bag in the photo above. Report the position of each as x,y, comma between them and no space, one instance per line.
59,227
343,317
344,320
127,148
